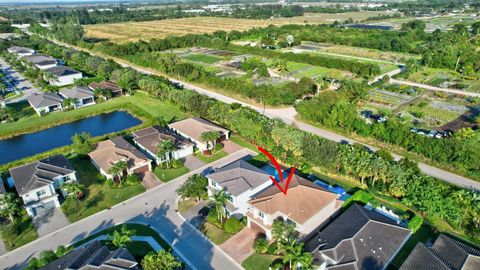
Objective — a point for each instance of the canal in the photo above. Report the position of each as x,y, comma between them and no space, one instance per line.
34,143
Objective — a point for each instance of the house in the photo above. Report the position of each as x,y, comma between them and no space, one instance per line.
446,253
306,205
82,95
241,180
113,88
94,256
45,102
62,75
21,51
149,139
109,152
358,239
193,128
38,182
41,61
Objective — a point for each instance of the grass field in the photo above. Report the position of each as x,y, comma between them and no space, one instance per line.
259,261
132,31
215,234
166,175
445,78
207,59
26,233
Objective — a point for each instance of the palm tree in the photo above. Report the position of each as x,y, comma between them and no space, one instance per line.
161,260
117,169
7,114
121,238
10,206
220,198
73,188
165,147
69,102
210,136
295,256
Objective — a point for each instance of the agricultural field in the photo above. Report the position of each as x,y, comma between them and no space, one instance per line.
228,64
446,78
133,31
422,109
433,22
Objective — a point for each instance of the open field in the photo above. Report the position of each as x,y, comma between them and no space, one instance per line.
446,78
132,31
433,22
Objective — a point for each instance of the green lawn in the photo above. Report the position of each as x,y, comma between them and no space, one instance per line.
259,261
215,234
27,233
208,159
166,175
140,104
422,235
99,195
185,205
203,58
13,95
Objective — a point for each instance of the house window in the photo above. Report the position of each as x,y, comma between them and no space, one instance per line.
214,184
260,214
66,177
230,199
41,193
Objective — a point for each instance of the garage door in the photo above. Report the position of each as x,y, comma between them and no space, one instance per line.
44,208
257,227
141,170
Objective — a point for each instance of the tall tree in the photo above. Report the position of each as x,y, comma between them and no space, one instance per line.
210,137
220,198
10,206
194,187
121,238
117,169
82,143
295,256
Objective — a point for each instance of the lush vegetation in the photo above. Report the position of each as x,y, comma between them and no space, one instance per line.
338,110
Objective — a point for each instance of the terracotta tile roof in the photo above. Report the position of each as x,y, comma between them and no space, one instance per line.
195,126
303,200
116,149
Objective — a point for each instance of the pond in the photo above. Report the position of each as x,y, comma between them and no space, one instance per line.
34,143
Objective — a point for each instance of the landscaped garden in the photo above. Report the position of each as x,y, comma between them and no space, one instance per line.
166,175
19,232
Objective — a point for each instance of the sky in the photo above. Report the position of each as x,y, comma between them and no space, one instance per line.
60,1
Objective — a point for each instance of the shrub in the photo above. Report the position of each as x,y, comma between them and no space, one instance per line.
110,182
415,223
218,147
213,218
272,248
359,196
132,179
177,163
261,246
233,225
46,256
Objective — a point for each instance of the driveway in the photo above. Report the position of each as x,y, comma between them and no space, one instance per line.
231,147
49,220
156,207
19,82
197,214
240,246
192,162
149,180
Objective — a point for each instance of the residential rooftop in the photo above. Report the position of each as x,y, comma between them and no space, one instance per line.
39,173
302,201
44,99
18,49
195,126
77,92
358,239
60,71
40,59
445,253
149,138
107,85
239,177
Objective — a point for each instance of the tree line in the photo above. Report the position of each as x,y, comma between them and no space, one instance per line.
378,172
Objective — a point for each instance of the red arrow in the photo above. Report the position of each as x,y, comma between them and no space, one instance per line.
279,170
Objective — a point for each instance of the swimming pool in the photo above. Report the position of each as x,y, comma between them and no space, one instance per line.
271,170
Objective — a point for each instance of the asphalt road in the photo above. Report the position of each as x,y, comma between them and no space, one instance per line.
434,88
20,83
288,115
155,207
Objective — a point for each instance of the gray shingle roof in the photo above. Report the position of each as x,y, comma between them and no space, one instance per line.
42,99
60,71
18,49
94,256
239,177
77,92
359,236
40,59
39,173
446,253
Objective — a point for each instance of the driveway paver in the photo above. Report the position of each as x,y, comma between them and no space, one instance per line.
240,246
50,220
149,180
231,147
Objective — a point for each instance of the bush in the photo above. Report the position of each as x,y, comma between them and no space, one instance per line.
110,183
132,180
218,147
261,246
213,218
415,223
272,248
177,163
233,225
359,196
